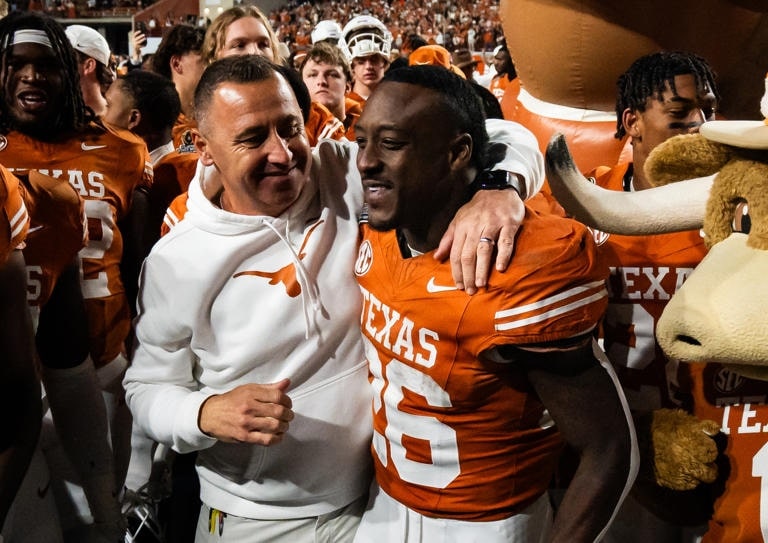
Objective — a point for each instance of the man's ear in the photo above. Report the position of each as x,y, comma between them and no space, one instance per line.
176,65
631,122
201,144
460,151
89,66
134,119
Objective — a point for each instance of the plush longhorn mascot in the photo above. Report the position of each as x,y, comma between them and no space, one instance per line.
716,321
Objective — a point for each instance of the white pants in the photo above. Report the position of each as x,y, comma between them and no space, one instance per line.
388,521
336,527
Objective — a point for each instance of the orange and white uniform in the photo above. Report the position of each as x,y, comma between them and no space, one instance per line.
352,111
739,404
15,219
456,436
58,231
501,84
322,124
104,165
645,272
173,171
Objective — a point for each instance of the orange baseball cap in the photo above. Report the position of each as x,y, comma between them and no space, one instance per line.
434,55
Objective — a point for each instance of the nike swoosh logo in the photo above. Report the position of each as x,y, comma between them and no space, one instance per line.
35,228
433,288
85,147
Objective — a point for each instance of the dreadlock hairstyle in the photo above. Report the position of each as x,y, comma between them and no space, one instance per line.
73,115
648,77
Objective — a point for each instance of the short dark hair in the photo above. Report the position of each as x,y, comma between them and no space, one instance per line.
180,40
456,95
649,75
154,96
73,115
246,69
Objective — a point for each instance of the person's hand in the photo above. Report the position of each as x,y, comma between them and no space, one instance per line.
493,215
252,413
139,41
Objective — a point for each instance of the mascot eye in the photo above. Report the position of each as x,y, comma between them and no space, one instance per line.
741,220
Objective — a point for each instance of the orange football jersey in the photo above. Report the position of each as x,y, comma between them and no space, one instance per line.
645,272
58,230
15,219
174,213
739,405
104,165
322,124
455,435
352,111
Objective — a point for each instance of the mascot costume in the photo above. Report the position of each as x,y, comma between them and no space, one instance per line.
713,317
715,321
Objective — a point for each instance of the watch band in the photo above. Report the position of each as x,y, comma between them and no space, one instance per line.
497,180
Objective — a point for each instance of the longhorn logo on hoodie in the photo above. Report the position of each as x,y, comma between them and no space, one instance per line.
287,274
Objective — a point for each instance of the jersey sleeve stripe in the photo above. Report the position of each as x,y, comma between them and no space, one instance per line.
543,316
551,300
19,221
170,219
330,128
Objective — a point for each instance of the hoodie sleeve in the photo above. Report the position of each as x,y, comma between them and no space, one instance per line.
161,389
521,153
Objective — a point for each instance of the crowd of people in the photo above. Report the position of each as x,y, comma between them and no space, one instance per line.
453,24
272,294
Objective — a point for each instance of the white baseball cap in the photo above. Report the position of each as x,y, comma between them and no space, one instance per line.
89,42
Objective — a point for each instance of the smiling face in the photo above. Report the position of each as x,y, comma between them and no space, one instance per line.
253,135
407,160
247,36
33,86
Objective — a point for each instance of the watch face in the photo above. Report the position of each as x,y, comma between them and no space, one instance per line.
496,180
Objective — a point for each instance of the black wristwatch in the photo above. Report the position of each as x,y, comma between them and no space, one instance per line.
496,180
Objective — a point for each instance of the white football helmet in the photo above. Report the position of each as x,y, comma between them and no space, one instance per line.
327,29
365,36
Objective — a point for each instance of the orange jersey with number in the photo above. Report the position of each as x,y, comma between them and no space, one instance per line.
646,271
739,405
58,230
104,165
456,435
14,221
